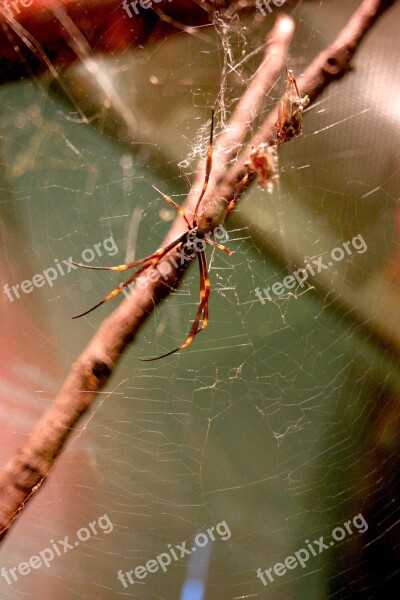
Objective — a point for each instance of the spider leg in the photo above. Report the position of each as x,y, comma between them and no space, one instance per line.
152,262
119,267
175,205
208,170
202,309
207,290
128,265
212,243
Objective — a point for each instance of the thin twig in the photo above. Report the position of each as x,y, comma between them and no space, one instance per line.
25,473
331,64
246,111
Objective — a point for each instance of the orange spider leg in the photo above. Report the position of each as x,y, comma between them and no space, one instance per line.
202,309
175,205
212,243
152,262
146,258
208,171
207,291
122,267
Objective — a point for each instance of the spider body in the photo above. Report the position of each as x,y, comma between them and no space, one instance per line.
193,241
190,244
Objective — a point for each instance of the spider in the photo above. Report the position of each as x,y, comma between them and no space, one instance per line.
188,243
290,111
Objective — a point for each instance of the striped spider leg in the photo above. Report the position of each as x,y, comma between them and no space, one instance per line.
192,243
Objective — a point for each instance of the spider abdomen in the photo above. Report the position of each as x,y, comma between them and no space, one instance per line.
194,242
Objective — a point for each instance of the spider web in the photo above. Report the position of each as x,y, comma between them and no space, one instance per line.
280,419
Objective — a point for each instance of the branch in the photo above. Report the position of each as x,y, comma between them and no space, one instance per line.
25,473
331,64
